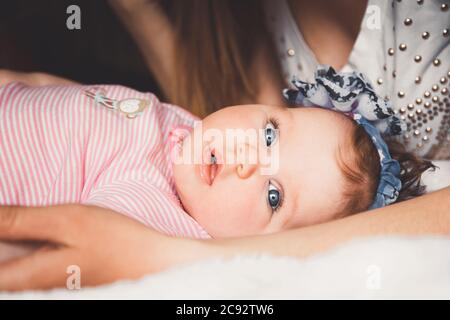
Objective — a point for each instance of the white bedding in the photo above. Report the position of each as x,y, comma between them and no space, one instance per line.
388,267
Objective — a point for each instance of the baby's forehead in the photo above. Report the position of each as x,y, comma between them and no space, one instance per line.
321,122
313,137
309,151
321,113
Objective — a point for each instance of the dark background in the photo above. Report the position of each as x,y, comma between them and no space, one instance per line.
34,37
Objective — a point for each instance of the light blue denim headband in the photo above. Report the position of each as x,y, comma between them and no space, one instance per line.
351,94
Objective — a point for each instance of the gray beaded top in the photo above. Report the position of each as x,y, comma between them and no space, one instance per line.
403,48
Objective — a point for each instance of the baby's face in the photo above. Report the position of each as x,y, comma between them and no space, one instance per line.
266,179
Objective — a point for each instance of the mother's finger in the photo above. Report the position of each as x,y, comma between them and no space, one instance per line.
37,223
45,269
12,250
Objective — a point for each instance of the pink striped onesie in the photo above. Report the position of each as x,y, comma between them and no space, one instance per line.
59,146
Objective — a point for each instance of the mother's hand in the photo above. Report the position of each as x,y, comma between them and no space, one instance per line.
105,245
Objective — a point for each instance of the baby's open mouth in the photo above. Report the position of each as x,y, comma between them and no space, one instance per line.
211,166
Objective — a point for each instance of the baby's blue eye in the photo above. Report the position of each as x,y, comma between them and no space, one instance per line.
273,197
270,133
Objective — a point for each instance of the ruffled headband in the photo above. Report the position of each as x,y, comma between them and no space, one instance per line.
351,94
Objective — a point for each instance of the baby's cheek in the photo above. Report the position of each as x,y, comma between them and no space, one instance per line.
235,214
246,207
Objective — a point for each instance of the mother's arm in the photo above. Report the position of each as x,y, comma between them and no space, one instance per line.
108,246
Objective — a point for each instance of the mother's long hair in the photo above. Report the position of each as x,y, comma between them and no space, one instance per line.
217,41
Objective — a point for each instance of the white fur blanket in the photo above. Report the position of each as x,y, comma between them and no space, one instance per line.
377,268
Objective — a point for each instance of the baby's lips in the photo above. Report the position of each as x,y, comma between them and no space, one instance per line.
208,170
217,166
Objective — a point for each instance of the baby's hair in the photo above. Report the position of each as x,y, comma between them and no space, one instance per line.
362,171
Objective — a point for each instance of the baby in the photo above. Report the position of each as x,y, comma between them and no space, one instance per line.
255,169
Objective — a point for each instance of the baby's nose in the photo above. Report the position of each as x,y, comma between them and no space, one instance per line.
246,170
